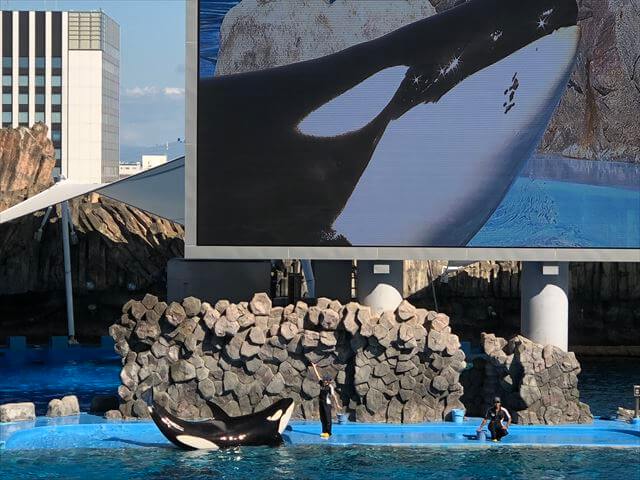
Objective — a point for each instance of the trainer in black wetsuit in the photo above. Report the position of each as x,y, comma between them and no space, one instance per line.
325,402
496,415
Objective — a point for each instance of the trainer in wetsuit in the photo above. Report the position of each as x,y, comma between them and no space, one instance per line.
327,396
496,415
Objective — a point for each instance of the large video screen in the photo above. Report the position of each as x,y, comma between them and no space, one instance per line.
383,123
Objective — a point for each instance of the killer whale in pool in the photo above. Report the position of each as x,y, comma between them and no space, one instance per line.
411,139
222,431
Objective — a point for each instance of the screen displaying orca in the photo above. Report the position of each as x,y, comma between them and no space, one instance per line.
222,431
411,139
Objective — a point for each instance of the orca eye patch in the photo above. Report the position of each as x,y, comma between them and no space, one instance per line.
275,417
356,107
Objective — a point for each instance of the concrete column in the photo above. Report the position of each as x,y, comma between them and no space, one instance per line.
544,303
380,283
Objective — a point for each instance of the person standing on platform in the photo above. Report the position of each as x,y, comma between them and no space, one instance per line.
325,402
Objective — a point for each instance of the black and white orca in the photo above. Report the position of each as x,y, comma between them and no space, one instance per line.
222,431
411,139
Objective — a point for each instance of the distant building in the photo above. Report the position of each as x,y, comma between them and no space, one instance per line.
151,161
63,69
148,161
127,169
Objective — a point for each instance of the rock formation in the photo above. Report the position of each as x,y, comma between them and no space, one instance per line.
401,366
117,245
598,116
63,407
258,34
17,412
537,384
26,162
485,296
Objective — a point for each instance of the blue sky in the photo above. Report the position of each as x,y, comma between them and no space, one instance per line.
152,63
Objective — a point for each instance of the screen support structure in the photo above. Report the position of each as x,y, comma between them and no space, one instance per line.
544,303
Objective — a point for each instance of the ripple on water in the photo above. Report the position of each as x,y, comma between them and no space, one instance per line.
326,462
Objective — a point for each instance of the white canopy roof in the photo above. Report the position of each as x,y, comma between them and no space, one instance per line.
159,191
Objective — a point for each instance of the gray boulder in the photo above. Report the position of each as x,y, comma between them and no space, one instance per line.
182,371
64,407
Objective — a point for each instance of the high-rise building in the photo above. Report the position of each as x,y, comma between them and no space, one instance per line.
63,69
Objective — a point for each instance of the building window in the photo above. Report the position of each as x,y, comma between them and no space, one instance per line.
39,117
23,80
23,117
58,154
56,81
7,118
23,62
56,62
56,99
56,135
39,99
23,99
56,117
7,62
40,62
40,81
6,99
7,80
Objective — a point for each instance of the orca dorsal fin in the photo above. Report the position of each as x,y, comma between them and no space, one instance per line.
217,413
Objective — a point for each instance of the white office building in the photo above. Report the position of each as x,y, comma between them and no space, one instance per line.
148,162
63,69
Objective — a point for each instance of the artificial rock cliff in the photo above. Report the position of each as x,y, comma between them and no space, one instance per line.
404,366
26,162
485,296
118,248
401,366
537,383
598,116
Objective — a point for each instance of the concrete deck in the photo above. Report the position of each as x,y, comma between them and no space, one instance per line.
89,431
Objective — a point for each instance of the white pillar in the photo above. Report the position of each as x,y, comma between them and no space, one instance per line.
380,284
544,303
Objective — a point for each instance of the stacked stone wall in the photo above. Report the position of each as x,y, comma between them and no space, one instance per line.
401,366
537,383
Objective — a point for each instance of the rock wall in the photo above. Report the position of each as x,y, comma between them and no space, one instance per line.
258,34
117,245
485,296
119,248
401,366
537,384
26,161
598,115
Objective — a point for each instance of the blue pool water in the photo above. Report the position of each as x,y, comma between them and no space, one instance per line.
40,383
324,462
560,202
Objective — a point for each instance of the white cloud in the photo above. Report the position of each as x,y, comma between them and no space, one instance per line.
152,91
173,91
141,91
